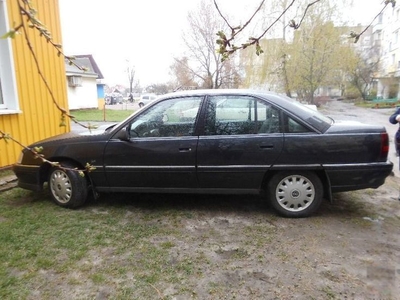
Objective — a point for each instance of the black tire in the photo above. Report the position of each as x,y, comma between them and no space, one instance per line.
295,194
67,188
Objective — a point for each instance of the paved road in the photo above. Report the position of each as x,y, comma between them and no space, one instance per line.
347,111
335,109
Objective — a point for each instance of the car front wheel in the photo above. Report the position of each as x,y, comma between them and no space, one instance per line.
67,187
295,194
141,105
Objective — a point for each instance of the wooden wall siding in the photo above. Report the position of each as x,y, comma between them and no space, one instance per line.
39,117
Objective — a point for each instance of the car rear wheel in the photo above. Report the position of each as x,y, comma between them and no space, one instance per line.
295,194
141,105
67,187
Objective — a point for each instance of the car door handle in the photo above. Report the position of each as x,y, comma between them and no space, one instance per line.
266,146
185,149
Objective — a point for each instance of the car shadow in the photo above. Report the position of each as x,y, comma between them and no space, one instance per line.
343,205
183,202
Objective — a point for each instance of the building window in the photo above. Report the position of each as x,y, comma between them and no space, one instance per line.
380,18
8,87
74,81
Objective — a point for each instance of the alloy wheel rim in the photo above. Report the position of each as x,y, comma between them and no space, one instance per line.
295,193
61,186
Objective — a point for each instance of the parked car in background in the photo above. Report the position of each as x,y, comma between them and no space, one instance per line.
114,98
146,99
216,142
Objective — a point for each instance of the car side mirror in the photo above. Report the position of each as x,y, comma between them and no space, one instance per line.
123,135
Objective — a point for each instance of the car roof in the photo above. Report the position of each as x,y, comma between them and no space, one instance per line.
278,99
220,91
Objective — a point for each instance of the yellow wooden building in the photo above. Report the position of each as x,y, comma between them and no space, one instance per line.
27,111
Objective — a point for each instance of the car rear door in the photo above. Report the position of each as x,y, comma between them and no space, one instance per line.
242,138
161,150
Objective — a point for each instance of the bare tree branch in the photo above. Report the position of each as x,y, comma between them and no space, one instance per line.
357,36
227,48
293,23
36,151
206,65
26,10
237,30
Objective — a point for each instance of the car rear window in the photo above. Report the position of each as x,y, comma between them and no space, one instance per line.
312,116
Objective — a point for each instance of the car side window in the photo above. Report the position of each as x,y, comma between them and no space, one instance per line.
296,127
169,118
269,119
236,115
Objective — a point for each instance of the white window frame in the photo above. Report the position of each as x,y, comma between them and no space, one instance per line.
10,103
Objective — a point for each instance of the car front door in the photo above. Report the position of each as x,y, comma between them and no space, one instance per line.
242,139
160,151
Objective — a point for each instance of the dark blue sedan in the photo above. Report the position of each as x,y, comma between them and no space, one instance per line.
219,142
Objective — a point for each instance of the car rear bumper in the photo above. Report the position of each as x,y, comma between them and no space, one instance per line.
28,177
350,177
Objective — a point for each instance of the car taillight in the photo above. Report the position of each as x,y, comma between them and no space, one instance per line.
384,145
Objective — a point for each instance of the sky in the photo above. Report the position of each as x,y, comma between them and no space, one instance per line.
147,34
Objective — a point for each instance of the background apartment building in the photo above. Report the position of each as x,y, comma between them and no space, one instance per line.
386,50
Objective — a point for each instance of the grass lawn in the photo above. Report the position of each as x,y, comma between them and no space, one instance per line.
48,252
109,115
6,172
371,104
123,246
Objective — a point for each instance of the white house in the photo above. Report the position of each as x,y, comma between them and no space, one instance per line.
84,86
